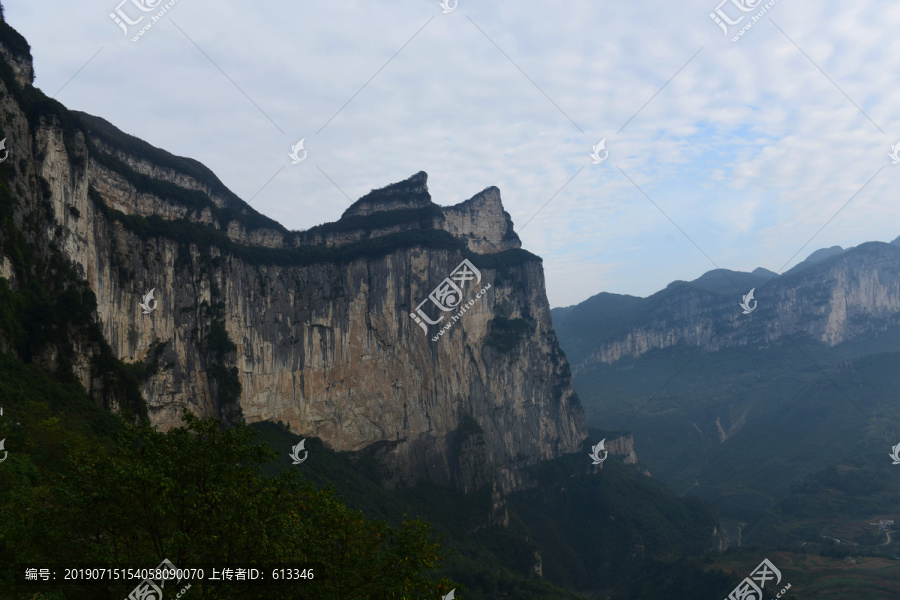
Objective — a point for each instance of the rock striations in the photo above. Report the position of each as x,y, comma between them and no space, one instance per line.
834,297
311,328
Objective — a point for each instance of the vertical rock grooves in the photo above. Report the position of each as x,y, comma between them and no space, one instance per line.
312,328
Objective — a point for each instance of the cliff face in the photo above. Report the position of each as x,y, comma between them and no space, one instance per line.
844,297
622,446
311,328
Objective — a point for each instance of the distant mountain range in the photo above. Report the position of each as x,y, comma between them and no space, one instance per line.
783,416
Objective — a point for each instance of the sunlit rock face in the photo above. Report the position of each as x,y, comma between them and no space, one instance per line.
320,321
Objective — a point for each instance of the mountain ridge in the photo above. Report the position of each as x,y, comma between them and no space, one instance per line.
716,294
781,413
480,221
322,329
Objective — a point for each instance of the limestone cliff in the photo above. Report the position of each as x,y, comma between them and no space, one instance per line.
844,297
622,446
319,329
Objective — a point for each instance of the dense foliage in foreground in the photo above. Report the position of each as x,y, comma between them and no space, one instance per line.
195,497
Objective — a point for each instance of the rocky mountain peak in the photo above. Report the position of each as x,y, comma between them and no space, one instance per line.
482,222
407,194
16,52
479,221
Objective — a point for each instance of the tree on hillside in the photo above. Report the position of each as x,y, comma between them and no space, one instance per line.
195,496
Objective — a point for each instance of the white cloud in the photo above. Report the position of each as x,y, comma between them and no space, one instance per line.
750,149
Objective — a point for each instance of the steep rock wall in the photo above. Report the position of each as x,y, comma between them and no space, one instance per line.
835,301
326,345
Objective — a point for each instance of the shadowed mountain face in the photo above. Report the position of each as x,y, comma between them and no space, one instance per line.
839,298
415,333
755,409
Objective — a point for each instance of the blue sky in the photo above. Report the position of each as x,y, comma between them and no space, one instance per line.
747,150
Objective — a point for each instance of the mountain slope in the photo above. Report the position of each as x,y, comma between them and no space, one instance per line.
839,299
582,527
753,411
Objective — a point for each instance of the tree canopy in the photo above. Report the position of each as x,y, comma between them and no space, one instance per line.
195,496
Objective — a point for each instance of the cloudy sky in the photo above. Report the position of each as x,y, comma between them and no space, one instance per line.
733,154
